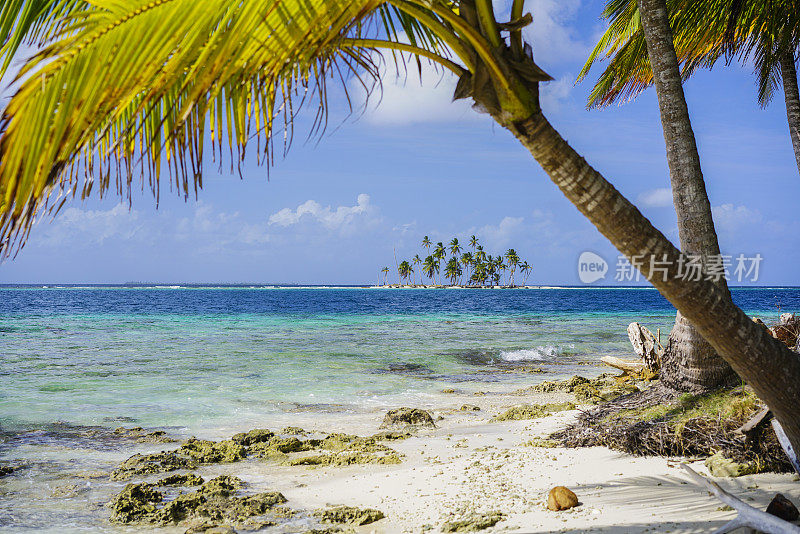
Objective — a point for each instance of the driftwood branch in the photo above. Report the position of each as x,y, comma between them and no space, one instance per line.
754,423
747,516
783,439
631,366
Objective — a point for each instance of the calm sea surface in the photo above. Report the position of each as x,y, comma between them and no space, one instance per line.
205,360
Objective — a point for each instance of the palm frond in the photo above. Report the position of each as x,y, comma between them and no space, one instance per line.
132,88
704,31
31,22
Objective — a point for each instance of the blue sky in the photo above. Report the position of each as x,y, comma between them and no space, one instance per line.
416,164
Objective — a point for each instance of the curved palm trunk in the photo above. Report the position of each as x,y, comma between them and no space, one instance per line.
689,363
766,363
792,97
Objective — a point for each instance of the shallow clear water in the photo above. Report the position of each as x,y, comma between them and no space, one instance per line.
198,360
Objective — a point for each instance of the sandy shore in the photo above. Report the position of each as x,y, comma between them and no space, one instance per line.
470,464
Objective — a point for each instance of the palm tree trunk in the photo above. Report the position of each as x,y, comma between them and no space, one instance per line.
764,362
792,96
690,363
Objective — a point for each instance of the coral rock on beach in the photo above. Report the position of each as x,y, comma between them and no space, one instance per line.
721,466
561,498
349,515
403,417
474,522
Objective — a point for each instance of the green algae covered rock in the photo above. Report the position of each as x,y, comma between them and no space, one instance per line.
408,417
5,469
532,411
213,504
473,522
257,435
720,466
602,389
213,452
135,503
349,515
189,479
148,464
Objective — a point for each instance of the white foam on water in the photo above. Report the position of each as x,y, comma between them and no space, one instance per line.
536,354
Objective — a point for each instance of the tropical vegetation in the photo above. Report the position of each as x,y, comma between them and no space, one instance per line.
128,89
463,268
765,35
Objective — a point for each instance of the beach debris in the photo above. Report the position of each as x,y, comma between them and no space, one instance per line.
720,466
541,442
747,516
561,498
473,522
786,445
469,408
188,479
449,391
629,366
646,345
148,464
213,452
214,504
533,411
782,507
257,435
788,330
408,417
140,435
661,422
349,515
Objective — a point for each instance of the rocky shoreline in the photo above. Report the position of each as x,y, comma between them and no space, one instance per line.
472,463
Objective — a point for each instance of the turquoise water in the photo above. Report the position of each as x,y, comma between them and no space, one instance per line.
76,363
197,357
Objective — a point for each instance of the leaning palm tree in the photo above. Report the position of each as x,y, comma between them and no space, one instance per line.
526,270
131,88
704,32
385,272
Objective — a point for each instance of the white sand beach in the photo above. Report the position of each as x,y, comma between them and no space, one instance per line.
471,465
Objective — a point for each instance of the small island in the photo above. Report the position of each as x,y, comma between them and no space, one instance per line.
464,268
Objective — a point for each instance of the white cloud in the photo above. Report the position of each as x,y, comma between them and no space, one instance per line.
341,218
729,218
552,33
554,93
407,98
656,198
91,227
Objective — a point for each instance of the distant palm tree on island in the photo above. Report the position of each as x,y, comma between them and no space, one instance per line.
460,269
